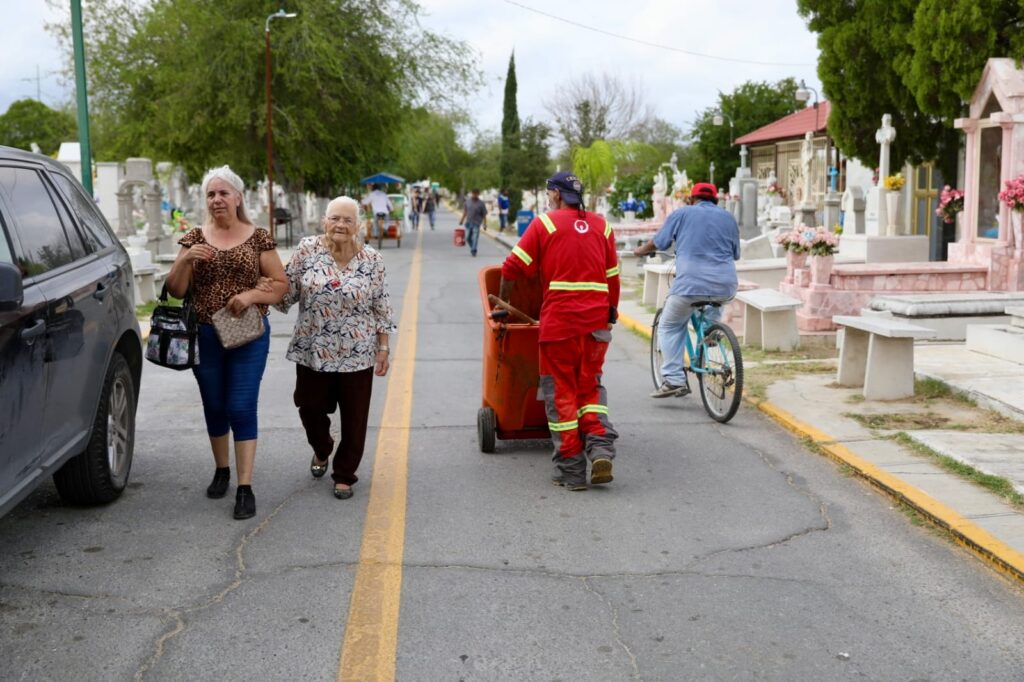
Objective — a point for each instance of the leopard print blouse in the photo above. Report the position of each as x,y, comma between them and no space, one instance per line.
231,272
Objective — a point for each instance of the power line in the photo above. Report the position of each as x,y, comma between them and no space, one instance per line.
650,44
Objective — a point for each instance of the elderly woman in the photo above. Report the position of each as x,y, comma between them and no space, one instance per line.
221,263
340,340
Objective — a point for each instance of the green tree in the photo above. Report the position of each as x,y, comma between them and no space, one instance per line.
531,163
28,120
595,167
751,105
511,141
183,80
428,147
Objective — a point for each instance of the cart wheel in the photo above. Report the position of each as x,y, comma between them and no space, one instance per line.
485,427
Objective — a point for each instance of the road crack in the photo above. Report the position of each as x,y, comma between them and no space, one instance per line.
615,627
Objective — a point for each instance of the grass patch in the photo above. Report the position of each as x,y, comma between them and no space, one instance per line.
896,420
754,354
756,380
927,390
994,484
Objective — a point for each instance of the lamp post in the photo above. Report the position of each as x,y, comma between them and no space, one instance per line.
81,90
802,94
279,14
719,118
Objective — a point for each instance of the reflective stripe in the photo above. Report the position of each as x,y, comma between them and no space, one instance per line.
609,273
607,231
547,223
599,409
523,256
578,286
563,426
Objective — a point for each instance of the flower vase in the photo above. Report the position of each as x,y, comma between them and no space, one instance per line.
1015,234
794,261
775,200
821,269
892,206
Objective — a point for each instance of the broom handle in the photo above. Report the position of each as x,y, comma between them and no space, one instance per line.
498,303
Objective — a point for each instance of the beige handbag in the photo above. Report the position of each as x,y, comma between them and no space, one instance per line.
238,331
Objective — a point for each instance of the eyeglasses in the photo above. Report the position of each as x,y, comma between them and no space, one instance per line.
334,219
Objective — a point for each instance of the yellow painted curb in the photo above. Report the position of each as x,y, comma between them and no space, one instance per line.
967,533
629,323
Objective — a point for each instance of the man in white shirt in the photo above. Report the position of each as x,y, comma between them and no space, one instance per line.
380,208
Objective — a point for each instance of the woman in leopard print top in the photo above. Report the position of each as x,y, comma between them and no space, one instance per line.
221,262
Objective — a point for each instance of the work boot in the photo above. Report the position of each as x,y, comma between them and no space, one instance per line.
601,471
560,479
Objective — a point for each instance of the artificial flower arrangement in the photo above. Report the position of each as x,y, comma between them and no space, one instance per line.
819,241
894,183
951,202
179,223
1013,195
792,240
634,205
684,191
775,189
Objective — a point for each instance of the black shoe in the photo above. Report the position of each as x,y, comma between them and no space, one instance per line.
245,503
318,470
343,493
218,488
667,390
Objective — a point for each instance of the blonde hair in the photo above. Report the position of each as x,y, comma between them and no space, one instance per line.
231,177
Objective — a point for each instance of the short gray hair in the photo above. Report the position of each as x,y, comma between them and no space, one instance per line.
345,201
231,177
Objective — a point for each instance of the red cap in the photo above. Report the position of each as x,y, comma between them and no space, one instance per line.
704,190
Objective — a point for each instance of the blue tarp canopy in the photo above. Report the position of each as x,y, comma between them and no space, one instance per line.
381,178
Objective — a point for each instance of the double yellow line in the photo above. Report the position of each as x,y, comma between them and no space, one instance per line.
371,633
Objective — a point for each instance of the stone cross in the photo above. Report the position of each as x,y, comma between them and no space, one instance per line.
833,179
884,136
743,156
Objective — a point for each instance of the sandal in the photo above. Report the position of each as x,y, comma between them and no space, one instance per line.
343,493
318,470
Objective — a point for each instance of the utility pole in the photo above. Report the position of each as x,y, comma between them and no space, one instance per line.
81,95
38,79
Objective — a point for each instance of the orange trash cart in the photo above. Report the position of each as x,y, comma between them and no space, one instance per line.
511,408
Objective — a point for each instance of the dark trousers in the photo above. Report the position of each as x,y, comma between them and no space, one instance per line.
316,396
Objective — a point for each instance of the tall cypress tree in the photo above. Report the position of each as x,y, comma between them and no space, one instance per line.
511,141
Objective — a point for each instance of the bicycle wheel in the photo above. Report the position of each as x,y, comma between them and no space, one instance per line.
656,351
721,381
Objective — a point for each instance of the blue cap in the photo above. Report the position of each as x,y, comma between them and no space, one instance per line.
568,185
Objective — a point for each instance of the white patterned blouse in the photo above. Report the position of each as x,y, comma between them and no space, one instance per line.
341,310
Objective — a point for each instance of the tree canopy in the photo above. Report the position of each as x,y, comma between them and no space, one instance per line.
184,80
28,120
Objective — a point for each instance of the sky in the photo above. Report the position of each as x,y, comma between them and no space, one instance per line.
548,49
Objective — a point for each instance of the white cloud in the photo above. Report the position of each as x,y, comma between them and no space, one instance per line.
25,46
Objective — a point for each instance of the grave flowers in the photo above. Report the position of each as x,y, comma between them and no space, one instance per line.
894,183
776,194
796,251
822,245
1013,197
951,202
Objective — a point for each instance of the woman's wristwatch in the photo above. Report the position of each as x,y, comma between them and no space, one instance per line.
384,349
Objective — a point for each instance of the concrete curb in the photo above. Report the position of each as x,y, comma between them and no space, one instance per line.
978,540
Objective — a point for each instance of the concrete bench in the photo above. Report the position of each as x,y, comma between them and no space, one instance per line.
657,281
145,281
948,313
769,319
878,354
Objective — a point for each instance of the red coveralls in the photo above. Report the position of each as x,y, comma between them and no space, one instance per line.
579,272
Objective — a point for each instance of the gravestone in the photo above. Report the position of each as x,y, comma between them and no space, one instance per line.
853,206
885,137
807,211
748,208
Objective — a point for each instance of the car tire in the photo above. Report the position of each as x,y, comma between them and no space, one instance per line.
100,473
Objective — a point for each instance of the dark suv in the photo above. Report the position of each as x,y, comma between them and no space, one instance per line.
70,349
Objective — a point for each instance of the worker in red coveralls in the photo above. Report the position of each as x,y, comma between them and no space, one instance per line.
574,251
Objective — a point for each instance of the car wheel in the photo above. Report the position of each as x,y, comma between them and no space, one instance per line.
100,473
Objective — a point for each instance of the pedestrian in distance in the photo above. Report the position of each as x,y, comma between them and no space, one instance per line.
220,265
707,241
430,206
474,215
415,202
340,339
503,204
380,209
573,250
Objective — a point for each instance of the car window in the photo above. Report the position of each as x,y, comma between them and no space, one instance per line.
5,247
94,229
44,246
78,247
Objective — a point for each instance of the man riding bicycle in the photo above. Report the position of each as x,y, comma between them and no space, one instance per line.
707,241
380,207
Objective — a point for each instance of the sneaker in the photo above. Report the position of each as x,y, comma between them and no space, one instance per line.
245,503
667,390
218,487
561,480
601,471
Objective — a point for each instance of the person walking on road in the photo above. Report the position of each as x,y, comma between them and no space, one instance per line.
380,209
707,241
430,206
340,340
415,206
220,264
474,215
574,252
503,205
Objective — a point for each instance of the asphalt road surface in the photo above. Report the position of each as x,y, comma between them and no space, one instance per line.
718,553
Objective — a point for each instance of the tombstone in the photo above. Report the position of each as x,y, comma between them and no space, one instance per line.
748,208
853,205
832,200
884,136
109,176
660,188
139,175
807,210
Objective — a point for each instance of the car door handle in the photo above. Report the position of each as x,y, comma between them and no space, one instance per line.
29,334
101,291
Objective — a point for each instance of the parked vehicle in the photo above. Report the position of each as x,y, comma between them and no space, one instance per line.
70,347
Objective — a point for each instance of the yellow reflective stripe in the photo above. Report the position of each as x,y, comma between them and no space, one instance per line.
599,409
563,426
612,272
607,231
578,286
523,256
547,223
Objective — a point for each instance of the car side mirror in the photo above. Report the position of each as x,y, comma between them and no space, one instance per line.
12,294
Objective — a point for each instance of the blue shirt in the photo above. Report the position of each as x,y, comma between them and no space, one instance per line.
502,202
707,242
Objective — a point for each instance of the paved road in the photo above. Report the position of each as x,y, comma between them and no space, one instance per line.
719,552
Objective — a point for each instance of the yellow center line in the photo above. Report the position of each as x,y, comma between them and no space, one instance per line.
371,633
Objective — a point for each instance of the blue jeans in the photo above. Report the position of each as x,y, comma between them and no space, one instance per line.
229,382
472,236
672,330
431,214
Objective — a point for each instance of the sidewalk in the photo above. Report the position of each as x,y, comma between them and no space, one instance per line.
904,461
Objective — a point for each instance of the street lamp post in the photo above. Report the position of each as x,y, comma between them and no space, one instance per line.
802,94
719,118
81,90
711,172
279,14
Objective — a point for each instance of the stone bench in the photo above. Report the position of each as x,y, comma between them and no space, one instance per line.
146,281
948,314
1004,340
657,281
769,319
878,354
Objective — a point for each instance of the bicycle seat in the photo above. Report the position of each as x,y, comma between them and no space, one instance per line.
705,304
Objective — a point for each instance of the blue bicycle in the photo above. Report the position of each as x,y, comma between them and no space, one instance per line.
712,352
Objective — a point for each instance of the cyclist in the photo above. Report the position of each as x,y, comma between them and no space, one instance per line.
707,241
380,206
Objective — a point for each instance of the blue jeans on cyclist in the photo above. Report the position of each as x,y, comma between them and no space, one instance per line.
672,330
